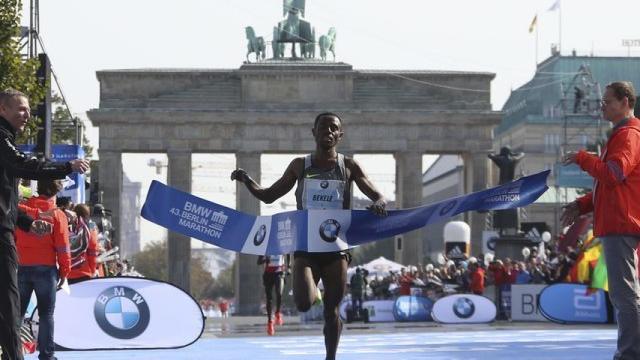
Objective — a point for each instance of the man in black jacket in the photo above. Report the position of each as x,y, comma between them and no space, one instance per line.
14,114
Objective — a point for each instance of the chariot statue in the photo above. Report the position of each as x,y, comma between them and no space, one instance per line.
294,30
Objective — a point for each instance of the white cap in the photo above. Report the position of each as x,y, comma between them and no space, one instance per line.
429,267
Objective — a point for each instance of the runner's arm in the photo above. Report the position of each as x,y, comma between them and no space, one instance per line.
275,191
365,185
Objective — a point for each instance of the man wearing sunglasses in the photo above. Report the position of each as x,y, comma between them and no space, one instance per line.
615,203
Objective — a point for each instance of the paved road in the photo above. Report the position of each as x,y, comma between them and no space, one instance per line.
441,343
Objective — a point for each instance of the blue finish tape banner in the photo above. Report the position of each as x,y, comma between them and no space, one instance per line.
572,303
317,230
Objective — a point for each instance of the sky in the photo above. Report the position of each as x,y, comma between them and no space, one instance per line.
85,36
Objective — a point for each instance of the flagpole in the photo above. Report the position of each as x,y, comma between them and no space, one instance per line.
560,27
536,43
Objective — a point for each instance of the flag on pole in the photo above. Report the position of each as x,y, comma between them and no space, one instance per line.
534,23
555,6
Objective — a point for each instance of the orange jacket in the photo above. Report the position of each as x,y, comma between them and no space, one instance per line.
615,199
477,281
85,264
47,249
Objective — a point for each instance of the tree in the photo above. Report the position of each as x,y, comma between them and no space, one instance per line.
223,286
63,125
365,253
152,262
14,71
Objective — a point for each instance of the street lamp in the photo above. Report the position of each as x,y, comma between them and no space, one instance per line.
158,164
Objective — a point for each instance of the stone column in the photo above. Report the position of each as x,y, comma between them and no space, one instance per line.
248,282
179,246
477,177
110,184
408,195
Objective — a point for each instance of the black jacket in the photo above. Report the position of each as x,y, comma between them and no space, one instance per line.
13,165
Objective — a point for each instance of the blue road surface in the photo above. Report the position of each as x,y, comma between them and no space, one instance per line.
482,345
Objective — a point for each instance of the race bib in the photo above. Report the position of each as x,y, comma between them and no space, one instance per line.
323,194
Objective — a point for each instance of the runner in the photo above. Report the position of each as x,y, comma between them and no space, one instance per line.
275,268
324,181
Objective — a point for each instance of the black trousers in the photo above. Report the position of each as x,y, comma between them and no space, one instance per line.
271,281
10,320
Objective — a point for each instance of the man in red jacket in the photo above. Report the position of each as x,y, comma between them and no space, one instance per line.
38,256
615,203
477,278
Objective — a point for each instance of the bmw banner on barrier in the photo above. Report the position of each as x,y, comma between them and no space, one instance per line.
573,303
524,302
464,309
413,308
379,310
126,313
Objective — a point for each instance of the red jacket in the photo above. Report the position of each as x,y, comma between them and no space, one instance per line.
47,249
85,263
615,199
500,274
405,284
477,281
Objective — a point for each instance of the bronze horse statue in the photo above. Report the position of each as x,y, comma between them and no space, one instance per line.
328,43
255,45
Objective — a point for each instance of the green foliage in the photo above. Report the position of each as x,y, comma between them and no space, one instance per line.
152,262
63,130
223,286
365,253
14,71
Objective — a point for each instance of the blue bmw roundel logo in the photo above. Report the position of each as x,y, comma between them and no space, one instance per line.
448,207
324,184
464,308
329,230
121,312
258,238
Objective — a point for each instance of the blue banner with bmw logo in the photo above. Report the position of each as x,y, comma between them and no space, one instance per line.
317,230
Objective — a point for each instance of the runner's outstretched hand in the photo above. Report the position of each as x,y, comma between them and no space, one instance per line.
239,175
378,208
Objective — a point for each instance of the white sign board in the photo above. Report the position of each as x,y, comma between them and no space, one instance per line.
524,303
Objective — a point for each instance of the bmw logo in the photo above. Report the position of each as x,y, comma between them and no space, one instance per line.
329,230
258,238
448,207
464,308
121,312
324,184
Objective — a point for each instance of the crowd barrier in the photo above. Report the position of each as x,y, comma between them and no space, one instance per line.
560,303
124,313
